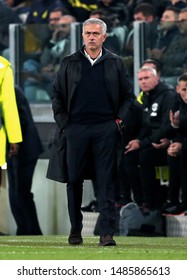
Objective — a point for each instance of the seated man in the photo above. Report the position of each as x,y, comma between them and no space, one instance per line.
177,153
174,58
21,170
56,49
167,31
152,143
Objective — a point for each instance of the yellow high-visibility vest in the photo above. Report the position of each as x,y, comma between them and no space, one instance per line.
139,98
11,129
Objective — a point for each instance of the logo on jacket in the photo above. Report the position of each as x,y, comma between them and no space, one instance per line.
154,109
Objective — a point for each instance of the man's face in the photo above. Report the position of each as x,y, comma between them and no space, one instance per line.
168,20
181,89
147,80
93,36
63,27
141,17
183,22
54,18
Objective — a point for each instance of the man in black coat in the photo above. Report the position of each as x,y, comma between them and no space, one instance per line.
91,98
20,172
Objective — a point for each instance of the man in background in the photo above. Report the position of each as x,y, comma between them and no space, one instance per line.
10,128
152,142
20,172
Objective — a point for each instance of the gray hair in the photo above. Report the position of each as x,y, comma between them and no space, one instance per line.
96,21
148,68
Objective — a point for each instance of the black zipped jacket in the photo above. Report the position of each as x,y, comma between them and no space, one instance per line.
156,106
180,134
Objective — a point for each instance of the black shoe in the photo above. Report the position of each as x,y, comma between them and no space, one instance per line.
75,239
107,240
168,206
179,209
91,207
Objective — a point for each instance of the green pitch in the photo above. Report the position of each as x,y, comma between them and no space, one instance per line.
57,248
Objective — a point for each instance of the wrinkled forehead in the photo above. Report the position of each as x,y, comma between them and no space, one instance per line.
92,26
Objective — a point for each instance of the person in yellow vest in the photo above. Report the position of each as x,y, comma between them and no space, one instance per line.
10,129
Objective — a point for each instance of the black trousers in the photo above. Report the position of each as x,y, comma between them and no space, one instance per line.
100,140
149,158
129,177
178,178
21,198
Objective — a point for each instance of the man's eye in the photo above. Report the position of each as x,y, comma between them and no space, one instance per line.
95,34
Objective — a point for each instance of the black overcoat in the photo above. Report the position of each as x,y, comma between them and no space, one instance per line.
68,77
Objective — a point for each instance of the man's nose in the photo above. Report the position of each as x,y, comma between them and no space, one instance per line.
92,36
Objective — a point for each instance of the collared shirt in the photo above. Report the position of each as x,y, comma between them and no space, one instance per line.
92,61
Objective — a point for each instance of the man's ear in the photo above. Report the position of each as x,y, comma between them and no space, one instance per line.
177,89
104,37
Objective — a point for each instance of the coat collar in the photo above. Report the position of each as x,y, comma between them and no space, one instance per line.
105,54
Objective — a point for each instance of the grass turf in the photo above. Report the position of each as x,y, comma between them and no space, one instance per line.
57,248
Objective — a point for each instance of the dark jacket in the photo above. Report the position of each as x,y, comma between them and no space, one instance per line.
31,147
69,75
180,134
174,58
134,124
166,38
156,107
67,81
183,125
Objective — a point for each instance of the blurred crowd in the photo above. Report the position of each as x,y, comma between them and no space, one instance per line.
37,11
47,34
